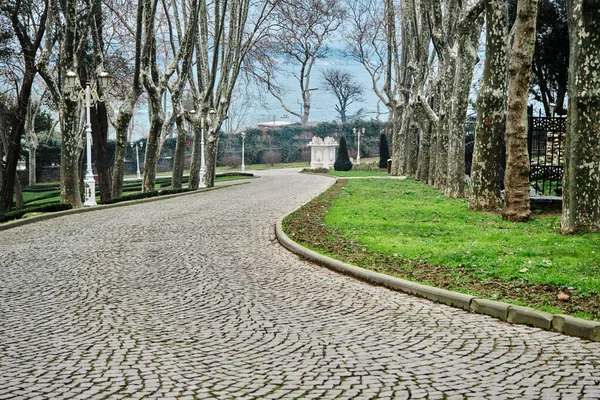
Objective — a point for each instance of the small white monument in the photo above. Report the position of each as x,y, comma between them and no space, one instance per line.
322,152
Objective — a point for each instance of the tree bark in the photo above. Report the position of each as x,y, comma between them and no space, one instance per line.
179,159
71,147
30,43
99,121
126,109
195,164
468,39
516,179
581,187
485,168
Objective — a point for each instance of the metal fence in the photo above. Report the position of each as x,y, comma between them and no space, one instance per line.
545,143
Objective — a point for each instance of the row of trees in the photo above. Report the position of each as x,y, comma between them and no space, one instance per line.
420,55
431,48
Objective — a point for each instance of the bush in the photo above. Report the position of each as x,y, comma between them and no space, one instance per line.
145,195
305,155
384,152
342,163
271,157
51,207
231,161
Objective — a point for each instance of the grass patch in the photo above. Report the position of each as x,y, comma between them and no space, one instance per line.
357,174
408,229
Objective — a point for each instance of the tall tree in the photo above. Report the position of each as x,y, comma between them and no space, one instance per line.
126,109
455,34
345,88
28,21
551,55
228,30
516,178
300,36
365,42
485,168
156,83
581,190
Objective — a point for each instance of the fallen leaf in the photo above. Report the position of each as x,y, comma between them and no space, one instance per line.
523,270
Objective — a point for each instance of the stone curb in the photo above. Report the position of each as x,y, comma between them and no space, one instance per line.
564,324
30,220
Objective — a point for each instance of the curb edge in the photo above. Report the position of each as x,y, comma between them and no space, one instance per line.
567,325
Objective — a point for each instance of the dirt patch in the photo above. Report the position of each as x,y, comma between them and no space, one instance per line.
306,227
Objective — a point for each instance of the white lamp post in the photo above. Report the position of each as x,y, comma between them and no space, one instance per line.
358,151
140,145
202,162
90,96
243,137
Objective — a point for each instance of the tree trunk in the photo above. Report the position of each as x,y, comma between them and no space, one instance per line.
485,168
424,152
412,148
195,164
32,165
123,120
516,179
581,187
71,147
443,127
397,142
179,159
153,147
210,154
467,58
99,120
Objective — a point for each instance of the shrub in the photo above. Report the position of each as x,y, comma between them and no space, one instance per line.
271,157
231,161
384,152
342,163
305,155
51,207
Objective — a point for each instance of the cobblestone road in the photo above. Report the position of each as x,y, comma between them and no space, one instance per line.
194,298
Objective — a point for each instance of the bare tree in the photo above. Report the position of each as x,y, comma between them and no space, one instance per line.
28,21
581,200
345,88
516,179
300,36
365,43
228,30
156,82
124,118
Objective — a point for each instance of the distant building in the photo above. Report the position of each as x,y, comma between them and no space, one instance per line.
267,126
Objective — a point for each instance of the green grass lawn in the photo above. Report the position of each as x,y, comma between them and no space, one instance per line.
422,236
357,174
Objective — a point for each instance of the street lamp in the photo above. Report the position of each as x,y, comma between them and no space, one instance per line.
90,96
358,152
202,163
140,145
243,137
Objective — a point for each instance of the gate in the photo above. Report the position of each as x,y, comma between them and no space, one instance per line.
546,142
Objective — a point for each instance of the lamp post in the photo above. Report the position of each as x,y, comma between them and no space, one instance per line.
243,137
358,151
90,96
139,145
202,163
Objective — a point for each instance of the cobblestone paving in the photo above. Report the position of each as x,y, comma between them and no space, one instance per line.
194,298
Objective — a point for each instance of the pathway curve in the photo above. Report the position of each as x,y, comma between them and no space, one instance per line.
193,297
